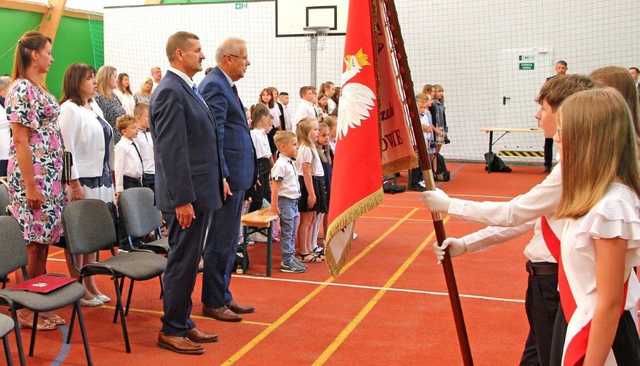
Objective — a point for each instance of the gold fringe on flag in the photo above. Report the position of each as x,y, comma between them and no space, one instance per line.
336,262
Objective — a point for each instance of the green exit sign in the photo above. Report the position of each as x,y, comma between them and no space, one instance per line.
526,66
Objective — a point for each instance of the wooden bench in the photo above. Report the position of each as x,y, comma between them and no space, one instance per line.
259,221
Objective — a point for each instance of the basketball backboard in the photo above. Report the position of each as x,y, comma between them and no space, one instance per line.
292,16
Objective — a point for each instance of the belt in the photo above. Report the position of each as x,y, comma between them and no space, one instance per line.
542,268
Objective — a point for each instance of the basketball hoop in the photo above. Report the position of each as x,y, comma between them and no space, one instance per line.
316,36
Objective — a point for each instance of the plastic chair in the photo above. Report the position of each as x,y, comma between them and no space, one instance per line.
13,256
6,325
89,228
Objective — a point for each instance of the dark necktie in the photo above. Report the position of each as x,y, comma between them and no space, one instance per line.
197,93
283,125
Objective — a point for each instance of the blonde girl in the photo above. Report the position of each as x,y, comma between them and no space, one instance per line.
312,188
600,239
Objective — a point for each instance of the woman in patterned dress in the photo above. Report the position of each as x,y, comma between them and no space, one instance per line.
36,194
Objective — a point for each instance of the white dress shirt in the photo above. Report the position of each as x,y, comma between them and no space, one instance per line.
284,170
260,143
145,145
5,135
190,83
127,162
305,109
83,137
515,217
127,100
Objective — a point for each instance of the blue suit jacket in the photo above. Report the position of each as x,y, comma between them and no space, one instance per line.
234,138
187,156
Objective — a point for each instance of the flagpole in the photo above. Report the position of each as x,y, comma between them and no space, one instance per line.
425,166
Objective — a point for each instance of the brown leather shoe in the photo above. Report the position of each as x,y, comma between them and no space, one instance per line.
239,309
179,344
223,314
198,336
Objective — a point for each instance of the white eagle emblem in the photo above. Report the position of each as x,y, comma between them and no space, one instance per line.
356,100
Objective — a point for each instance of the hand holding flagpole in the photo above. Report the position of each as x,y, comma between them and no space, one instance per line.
425,164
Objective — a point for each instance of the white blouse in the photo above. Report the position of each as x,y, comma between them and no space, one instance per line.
616,215
83,137
260,143
127,100
308,155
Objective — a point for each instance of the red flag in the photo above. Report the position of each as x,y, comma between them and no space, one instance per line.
356,185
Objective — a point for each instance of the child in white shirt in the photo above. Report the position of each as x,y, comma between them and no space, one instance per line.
285,192
261,123
128,164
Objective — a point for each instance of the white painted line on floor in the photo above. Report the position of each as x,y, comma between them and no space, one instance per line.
377,288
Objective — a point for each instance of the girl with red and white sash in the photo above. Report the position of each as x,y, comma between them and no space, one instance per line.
599,243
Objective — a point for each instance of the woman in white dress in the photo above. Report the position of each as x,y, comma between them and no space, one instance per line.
123,92
87,136
600,240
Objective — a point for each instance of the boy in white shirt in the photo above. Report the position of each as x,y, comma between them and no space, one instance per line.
285,192
306,108
144,142
128,161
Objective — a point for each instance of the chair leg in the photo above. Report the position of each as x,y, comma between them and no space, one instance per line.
7,350
83,331
123,320
70,329
34,330
14,315
126,312
269,245
119,288
161,286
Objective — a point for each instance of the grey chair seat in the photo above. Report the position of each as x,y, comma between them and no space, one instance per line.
162,244
45,302
139,266
6,325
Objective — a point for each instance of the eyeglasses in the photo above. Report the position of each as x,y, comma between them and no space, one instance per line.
244,58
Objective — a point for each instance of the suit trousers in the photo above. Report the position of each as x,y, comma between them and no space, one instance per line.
220,252
548,152
541,304
182,267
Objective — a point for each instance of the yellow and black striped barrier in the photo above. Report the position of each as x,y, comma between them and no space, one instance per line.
521,154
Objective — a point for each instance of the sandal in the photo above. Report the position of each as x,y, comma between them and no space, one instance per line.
310,258
43,323
53,318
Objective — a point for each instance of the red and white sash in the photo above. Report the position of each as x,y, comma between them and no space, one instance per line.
575,345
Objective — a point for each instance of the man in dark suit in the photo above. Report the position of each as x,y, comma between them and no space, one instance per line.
560,68
188,186
239,173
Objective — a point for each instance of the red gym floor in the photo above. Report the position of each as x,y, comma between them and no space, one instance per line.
388,307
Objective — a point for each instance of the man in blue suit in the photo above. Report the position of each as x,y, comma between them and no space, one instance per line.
239,173
188,186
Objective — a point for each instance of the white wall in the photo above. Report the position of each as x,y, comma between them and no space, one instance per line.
453,43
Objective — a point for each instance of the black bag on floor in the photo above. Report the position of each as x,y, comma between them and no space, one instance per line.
442,174
495,164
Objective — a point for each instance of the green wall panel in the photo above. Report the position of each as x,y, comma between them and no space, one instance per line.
77,41
14,24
